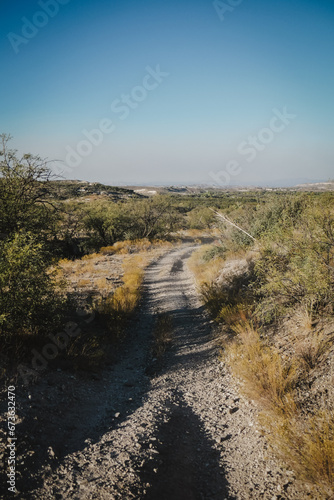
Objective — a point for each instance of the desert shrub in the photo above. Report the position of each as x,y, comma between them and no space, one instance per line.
200,218
30,299
296,267
110,223
70,237
294,271
155,217
279,212
228,297
213,252
105,223
213,295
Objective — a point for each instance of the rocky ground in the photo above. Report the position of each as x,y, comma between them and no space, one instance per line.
175,428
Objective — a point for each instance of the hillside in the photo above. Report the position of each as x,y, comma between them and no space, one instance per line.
68,189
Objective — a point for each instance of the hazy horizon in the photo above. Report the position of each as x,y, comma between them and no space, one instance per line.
226,93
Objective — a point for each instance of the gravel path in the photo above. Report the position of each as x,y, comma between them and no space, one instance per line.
176,430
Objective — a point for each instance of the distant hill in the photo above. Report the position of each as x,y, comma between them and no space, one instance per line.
65,189
316,186
69,189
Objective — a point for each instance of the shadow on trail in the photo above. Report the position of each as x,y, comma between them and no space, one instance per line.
186,466
67,421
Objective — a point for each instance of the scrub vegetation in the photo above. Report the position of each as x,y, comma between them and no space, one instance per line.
272,297
66,245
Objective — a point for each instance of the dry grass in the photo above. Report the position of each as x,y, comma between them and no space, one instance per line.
265,377
231,314
312,348
84,282
304,319
194,233
90,256
121,303
65,268
213,296
223,284
306,444
162,334
133,246
107,250
203,271
86,353
112,280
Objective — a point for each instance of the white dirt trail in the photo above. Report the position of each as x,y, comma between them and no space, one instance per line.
176,430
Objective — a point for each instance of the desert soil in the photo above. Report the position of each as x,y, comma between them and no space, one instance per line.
171,429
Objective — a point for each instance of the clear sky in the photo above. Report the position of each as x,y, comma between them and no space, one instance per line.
169,92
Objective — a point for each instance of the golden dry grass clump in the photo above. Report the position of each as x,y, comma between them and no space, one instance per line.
304,442
136,256
265,377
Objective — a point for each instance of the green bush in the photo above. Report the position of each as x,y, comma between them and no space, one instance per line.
297,264
30,298
200,218
213,252
105,222
155,217
278,212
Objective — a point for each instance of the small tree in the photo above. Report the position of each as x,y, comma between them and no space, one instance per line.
155,217
106,222
23,188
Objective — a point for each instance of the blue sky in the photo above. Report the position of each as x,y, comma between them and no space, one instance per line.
228,72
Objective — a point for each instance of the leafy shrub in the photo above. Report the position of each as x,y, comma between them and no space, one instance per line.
30,298
200,218
296,266
105,222
213,252
279,212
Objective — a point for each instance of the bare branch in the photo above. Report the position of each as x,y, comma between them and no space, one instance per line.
226,219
